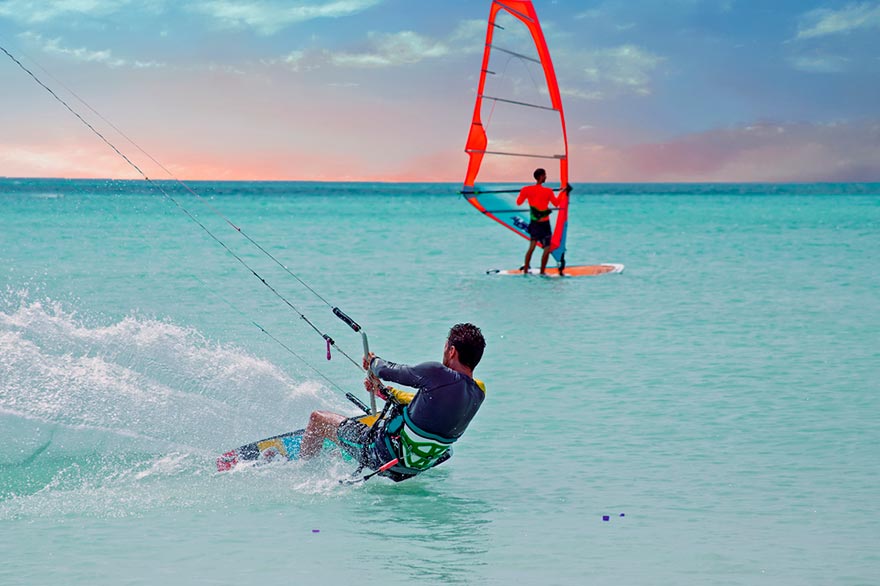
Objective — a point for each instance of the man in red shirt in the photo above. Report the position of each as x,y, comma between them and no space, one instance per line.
540,198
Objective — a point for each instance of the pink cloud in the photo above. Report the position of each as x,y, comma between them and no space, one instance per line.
760,152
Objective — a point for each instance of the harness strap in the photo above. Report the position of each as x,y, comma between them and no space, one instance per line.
418,450
539,214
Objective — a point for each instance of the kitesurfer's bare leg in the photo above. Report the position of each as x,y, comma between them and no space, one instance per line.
322,424
527,264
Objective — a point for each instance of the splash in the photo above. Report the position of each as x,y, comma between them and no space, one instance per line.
90,408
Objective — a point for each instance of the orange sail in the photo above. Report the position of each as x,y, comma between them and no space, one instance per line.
518,122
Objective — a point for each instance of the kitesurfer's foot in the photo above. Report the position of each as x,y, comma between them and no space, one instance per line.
524,269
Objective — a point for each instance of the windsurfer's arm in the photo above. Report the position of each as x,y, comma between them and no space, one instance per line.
522,196
562,196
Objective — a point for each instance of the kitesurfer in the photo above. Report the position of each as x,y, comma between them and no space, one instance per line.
539,198
418,428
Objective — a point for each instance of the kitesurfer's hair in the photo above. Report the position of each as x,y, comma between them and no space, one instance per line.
538,172
469,342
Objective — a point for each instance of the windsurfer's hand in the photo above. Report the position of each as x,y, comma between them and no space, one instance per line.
568,188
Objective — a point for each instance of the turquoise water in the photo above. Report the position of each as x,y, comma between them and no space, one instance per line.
721,394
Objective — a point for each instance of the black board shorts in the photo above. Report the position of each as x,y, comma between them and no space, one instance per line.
540,232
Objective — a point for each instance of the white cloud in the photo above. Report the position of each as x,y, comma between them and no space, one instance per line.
593,13
825,21
582,94
469,36
409,47
391,49
268,17
626,69
403,48
820,63
30,12
83,54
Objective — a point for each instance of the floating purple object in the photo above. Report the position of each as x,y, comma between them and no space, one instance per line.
622,515
316,530
605,517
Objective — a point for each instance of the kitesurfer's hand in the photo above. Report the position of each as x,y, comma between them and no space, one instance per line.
367,360
374,386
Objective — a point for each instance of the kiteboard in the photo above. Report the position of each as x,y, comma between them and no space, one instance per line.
570,271
278,448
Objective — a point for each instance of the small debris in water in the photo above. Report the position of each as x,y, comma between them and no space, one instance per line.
605,517
316,530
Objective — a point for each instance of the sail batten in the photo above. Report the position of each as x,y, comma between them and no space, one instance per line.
515,54
517,115
518,103
523,15
508,154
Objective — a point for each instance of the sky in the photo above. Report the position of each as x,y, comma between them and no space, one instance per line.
383,90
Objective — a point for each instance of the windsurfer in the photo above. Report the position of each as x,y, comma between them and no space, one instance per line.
539,198
416,428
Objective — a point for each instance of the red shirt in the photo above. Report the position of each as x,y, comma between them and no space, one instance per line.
539,198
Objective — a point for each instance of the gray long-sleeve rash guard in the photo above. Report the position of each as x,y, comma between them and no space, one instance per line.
446,400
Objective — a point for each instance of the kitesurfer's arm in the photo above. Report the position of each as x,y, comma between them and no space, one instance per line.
412,376
402,397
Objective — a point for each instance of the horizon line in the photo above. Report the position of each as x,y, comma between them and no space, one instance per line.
401,182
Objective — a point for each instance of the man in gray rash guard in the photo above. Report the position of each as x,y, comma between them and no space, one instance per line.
420,427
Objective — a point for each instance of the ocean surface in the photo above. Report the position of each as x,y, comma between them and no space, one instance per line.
717,402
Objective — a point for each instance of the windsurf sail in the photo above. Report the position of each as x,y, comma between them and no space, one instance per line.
518,123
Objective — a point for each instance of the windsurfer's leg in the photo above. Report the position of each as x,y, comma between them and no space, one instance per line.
544,258
322,425
527,263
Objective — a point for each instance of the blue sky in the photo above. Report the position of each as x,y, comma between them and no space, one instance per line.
679,90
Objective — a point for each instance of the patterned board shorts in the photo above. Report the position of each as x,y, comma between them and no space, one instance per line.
354,439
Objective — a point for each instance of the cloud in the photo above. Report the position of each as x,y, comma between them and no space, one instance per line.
820,63
62,160
382,50
593,13
759,152
825,21
581,94
82,54
409,47
614,71
38,12
401,48
267,17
